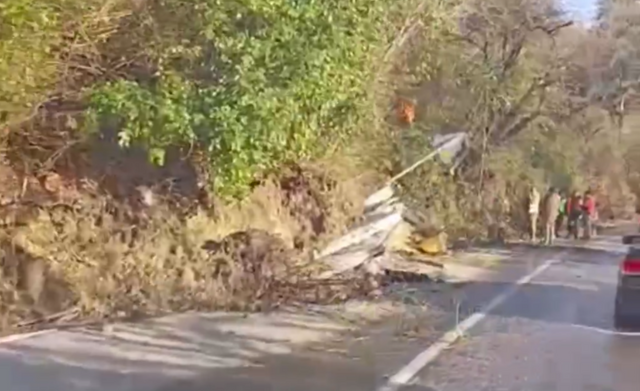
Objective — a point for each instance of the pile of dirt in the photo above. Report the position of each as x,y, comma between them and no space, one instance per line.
248,263
262,272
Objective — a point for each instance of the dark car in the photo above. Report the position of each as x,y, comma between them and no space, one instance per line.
627,306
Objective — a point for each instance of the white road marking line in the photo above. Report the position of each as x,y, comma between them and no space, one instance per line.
406,374
607,331
22,336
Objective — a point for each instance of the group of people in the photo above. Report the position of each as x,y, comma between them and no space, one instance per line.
577,212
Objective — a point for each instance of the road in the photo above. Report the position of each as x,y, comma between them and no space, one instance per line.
555,333
552,333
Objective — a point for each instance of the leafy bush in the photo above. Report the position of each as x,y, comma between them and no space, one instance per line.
251,83
28,33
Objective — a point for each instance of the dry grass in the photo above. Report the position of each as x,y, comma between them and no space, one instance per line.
108,261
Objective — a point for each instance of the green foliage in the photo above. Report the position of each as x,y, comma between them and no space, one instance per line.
38,40
161,116
28,32
253,83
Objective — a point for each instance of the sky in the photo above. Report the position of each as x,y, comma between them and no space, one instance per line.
582,10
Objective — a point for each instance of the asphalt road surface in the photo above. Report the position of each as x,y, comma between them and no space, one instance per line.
553,333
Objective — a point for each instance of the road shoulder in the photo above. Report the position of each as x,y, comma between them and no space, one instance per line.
370,338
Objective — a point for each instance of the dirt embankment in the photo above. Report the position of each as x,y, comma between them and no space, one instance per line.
74,250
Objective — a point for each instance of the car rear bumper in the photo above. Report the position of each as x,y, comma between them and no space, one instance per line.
628,296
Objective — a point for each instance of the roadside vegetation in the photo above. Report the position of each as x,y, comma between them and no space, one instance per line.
135,132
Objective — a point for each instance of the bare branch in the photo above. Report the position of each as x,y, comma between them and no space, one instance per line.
553,29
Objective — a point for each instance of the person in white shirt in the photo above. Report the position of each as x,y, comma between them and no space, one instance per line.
534,212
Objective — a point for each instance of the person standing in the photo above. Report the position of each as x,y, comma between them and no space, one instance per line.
562,213
569,208
574,211
550,214
596,218
589,208
534,211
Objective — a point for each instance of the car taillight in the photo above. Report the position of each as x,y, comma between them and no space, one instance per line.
631,266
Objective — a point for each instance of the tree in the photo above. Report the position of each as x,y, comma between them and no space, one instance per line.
619,80
508,67
248,84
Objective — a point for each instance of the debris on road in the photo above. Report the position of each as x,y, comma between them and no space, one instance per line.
391,240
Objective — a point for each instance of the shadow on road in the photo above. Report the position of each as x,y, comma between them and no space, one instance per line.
153,355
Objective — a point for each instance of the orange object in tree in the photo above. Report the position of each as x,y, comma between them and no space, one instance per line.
406,111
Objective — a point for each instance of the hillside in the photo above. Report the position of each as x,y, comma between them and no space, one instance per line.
136,131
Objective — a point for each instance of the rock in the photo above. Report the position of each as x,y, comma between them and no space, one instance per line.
434,245
146,196
406,238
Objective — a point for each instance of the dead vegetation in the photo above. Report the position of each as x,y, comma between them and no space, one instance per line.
100,256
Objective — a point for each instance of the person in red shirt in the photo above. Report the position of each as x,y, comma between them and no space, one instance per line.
574,210
589,207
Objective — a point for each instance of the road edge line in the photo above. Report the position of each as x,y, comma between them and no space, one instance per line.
22,336
408,372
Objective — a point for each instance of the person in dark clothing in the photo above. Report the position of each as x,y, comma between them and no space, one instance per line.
562,213
574,212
